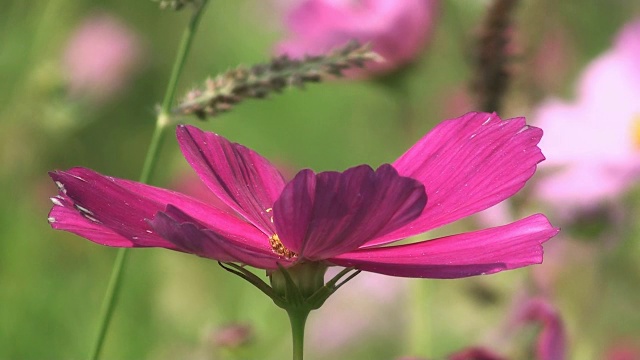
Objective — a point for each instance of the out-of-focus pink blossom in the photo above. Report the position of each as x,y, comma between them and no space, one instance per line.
552,59
455,100
496,215
398,30
552,342
593,143
233,335
100,56
379,295
475,353
626,350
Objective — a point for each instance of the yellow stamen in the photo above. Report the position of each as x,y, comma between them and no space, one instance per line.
278,247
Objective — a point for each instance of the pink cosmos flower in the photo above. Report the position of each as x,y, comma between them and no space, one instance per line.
379,295
233,336
339,218
624,350
99,56
475,353
551,342
594,142
398,30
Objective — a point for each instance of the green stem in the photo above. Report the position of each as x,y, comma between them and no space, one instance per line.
162,123
185,46
108,303
298,318
420,334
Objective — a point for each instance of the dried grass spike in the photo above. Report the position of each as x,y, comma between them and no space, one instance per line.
257,82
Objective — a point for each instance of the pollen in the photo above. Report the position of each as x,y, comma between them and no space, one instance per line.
278,247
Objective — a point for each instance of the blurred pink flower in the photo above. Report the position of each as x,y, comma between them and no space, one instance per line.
455,100
398,30
496,215
551,342
552,60
593,143
99,57
379,295
624,350
475,353
233,335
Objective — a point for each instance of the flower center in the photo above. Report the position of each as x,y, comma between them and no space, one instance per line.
635,130
276,244
279,248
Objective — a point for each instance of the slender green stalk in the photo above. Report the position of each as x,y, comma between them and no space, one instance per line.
420,305
298,318
151,159
108,302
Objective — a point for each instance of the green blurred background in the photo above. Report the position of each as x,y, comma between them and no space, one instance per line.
173,305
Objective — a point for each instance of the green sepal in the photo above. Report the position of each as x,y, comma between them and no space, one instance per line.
298,289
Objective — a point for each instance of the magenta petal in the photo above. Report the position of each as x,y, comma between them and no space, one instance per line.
320,216
113,211
239,176
481,252
467,165
190,236
63,216
103,205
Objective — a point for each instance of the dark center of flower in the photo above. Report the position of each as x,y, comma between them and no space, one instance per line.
279,248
